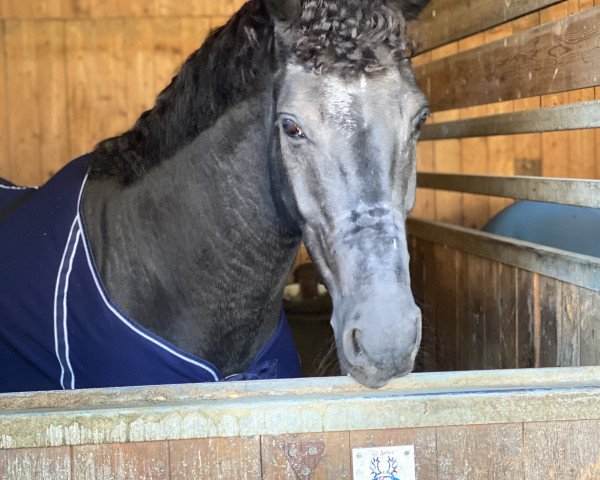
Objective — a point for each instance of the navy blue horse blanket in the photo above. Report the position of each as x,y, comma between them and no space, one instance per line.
59,328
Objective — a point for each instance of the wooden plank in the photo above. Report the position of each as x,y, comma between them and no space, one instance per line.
562,450
549,299
475,158
560,56
5,171
569,327
246,409
555,145
463,325
445,21
307,456
115,461
576,116
35,463
97,70
116,69
585,193
429,342
36,99
589,310
581,142
237,458
507,308
447,158
528,147
40,9
423,439
139,81
501,154
493,318
425,201
476,311
525,319
480,452
44,9
566,266
425,360
446,276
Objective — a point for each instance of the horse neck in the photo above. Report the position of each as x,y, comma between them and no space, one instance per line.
195,251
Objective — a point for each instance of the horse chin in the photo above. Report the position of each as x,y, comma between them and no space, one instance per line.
371,376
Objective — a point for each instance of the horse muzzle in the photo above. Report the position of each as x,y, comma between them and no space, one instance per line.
378,337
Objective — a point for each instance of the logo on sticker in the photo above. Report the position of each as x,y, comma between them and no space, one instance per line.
384,463
390,471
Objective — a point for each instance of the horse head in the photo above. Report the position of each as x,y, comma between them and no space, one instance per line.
348,113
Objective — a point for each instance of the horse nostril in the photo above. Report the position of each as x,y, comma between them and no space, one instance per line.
355,344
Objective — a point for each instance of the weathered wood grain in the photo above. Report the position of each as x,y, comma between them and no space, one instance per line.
423,439
581,143
429,342
36,99
492,316
565,450
500,315
476,312
235,458
97,69
555,145
445,21
549,301
560,56
44,9
507,306
425,201
445,301
480,452
425,361
129,461
463,315
527,147
569,327
306,456
130,63
525,319
589,311
36,463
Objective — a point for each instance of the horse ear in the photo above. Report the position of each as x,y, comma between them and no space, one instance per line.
411,9
284,10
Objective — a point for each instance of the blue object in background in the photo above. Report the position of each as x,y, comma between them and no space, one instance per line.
575,229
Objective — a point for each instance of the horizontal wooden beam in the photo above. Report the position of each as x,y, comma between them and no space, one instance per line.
569,267
577,116
560,56
445,21
582,193
245,409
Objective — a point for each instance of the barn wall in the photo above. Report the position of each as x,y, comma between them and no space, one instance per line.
573,154
505,451
73,72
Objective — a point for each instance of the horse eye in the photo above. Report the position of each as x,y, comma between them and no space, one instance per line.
422,121
291,128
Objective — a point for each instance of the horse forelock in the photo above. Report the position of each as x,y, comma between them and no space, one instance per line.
350,36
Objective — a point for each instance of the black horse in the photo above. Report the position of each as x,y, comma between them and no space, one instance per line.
295,121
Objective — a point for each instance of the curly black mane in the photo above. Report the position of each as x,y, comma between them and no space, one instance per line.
234,61
238,59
